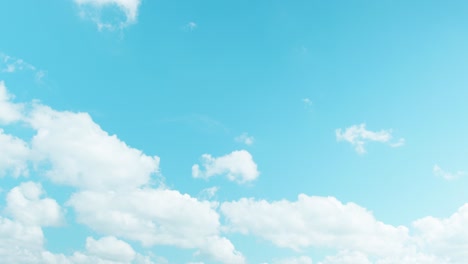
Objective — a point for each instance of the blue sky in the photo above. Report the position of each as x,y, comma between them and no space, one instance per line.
136,131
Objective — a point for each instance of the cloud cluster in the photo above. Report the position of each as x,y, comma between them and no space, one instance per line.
114,195
359,136
113,190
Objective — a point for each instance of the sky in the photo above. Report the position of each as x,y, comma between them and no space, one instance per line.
279,132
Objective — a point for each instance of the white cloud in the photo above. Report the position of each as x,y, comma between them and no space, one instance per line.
446,238
107,250
110,248
294,260
439,172
10,64
358,136
208,193
92,10
245,138
238,166
113,181
346,257
25,204
81,154
191,25
9,112
14,155
307,102
314,222
19,243
173,219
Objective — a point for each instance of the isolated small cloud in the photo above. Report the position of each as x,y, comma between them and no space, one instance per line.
245,138
238,166
92,9
439,172
191,25
11,64
307,101
359,136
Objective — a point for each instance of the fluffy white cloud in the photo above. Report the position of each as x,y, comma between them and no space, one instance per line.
156,217
19,243
91,9
9,111
358,136
446,238
107,250
14,155
314,222
346,257
245,138
25,205
238,166
110,248
81,154
296,260
439,172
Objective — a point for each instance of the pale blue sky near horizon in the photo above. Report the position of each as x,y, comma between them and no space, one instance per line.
179,91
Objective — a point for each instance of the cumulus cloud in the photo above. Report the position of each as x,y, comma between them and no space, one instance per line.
24,204
446,237
314,222
439,172
9,111
173,219
359,136
107,250
114,197
14,155
245,139
113,190
110,248
92,9
346,257
237,166
294,260
82,155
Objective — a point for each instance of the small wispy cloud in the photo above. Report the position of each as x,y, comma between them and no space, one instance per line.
10,64
307,101
439,172
191,26
359,136
245,138
208,193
